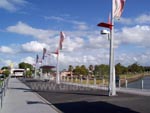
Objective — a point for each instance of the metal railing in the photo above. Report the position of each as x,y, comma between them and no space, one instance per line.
139,84
143,83
3,88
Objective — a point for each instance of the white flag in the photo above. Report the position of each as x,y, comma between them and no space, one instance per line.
118,6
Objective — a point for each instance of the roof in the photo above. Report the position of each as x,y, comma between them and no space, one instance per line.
47,67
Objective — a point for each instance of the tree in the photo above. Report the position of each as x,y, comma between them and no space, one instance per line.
135,68
104,70
83,70
24,65
91,69
70,68
80,70
76,71
6,70
120,69
28,67
5,67
96,70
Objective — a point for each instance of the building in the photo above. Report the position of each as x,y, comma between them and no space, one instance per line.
17,72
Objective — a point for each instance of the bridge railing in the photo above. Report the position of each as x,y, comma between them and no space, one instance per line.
3,88
143,83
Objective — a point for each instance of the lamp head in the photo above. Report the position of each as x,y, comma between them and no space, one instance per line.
103,32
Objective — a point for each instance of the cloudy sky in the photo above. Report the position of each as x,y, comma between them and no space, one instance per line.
28,26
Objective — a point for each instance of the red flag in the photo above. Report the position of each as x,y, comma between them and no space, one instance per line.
62,36
40,60
56,52
44,52
118,6
37,58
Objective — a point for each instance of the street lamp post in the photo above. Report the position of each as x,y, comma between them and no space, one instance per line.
106,32
112,81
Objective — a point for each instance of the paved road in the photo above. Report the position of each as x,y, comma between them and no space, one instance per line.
75,99
20,99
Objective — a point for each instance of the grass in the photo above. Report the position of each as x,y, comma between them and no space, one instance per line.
105,82
129,76
1,81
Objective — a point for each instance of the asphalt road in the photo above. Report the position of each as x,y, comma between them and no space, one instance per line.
74,99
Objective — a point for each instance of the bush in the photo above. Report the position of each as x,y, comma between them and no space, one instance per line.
6,73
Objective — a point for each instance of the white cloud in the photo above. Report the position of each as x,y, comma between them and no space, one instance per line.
126,21
141,19
11,5
22,28
130,58
99,42
5,49
78,24
82,27
72,44
85,47
144,18
138,35
29,60
34,46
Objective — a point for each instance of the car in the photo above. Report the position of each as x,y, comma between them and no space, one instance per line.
2,75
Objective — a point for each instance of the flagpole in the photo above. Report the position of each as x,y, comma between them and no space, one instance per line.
112,64
57,75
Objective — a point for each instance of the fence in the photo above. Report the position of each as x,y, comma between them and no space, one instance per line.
86,81
3,88
143,83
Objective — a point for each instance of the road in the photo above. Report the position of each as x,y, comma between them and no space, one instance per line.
73,99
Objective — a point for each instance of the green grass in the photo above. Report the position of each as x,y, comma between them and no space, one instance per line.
128,76
1,81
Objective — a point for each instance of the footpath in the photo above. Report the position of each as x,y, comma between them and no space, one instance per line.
20,99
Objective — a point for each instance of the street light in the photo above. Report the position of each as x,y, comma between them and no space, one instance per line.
106,32
103,32
109,25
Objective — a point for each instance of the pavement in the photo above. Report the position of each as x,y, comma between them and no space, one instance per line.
37,96
20,99
80,99
143,92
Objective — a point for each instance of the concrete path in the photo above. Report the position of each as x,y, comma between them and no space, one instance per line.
69,98
20,99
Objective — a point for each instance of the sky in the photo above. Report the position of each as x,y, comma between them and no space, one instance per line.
28,26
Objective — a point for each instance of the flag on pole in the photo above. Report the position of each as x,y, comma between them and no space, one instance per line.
109,18
62,36
44,52
37,58
56,52
118,6
40,60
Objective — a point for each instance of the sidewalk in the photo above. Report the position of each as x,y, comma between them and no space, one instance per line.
20,99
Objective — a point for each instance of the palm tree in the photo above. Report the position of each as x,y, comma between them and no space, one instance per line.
91,69
70,69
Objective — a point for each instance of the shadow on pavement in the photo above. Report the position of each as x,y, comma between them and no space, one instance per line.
37,102
23,89
91,107
72,93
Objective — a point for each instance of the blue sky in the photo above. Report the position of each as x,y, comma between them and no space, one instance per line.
28,26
